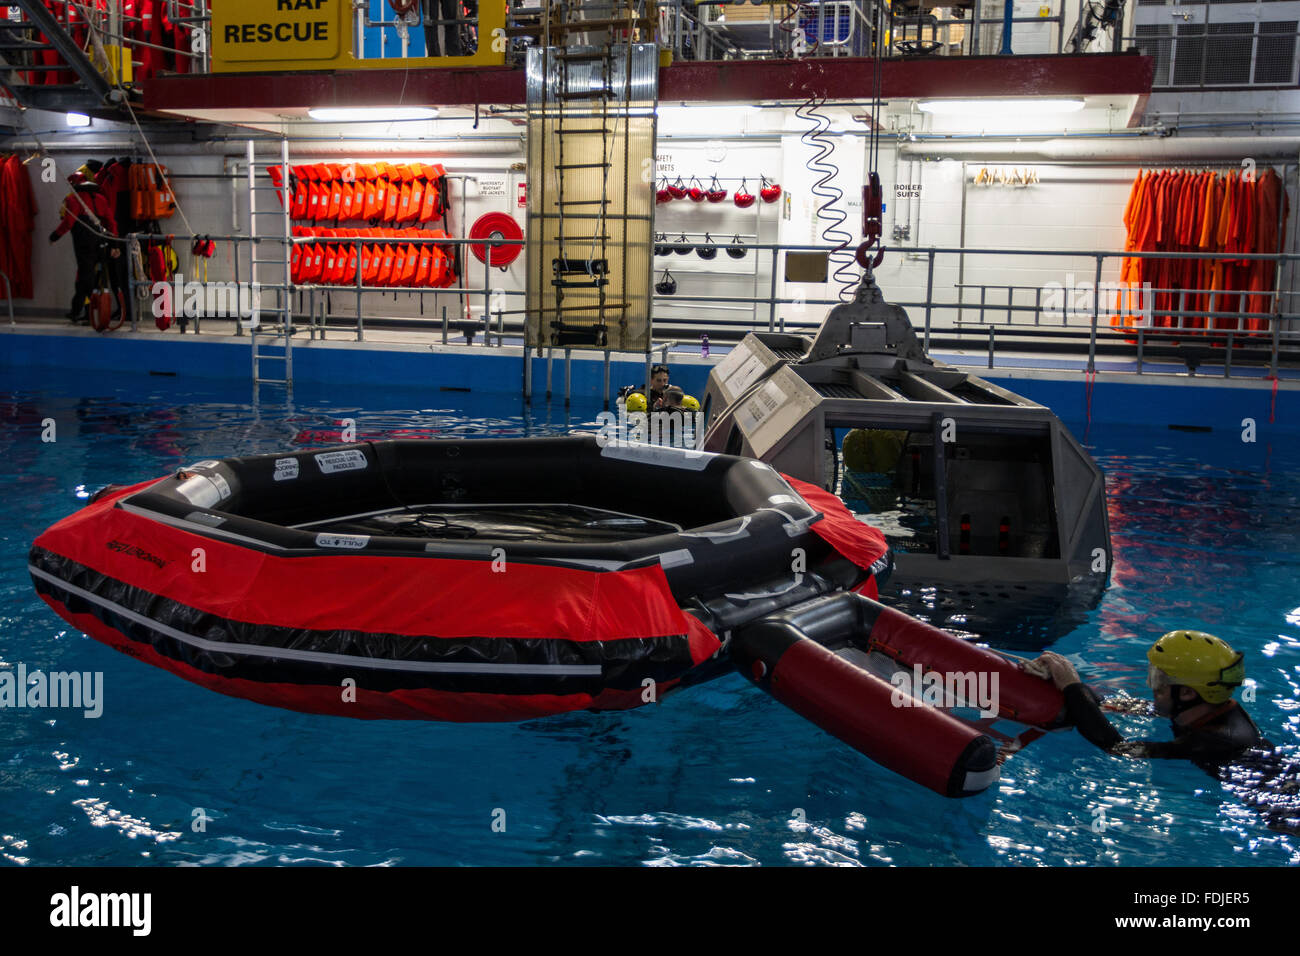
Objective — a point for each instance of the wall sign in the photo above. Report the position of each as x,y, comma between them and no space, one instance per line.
284,35
271,33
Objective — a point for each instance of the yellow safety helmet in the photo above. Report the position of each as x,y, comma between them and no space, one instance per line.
690,403
1197,660
636,402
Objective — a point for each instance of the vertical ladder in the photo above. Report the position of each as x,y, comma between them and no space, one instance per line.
271,336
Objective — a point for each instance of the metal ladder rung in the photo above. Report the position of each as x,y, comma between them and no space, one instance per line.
590,284
586,308
582,165
583,202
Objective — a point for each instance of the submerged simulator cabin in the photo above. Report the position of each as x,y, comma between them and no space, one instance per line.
970,482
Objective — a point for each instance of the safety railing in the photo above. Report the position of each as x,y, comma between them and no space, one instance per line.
164,36
1066,318
176,35
1247,54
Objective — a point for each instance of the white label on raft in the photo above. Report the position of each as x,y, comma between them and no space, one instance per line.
206,463
674,559
759,406
223,486
331,461
202,517
199,492
664,455
780,500
353,541
286,469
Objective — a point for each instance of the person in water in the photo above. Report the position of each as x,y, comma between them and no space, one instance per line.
1192,676
655,394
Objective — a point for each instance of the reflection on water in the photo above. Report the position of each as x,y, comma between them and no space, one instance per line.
719,774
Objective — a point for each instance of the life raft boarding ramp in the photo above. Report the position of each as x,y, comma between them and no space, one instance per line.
1008,493
851,666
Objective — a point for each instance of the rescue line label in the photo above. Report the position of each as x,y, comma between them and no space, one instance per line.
331,461
351,541
276,30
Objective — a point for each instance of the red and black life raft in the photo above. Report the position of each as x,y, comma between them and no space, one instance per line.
499,579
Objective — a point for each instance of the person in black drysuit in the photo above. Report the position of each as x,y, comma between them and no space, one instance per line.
1192,676
88,215
450,11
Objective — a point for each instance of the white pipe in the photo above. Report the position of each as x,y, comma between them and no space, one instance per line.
1182,149
488,145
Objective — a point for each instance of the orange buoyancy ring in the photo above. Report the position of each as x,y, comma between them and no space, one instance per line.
495,225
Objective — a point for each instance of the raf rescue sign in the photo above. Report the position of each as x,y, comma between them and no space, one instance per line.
264,34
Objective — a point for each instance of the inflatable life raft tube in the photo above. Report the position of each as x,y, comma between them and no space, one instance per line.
445,580
846,663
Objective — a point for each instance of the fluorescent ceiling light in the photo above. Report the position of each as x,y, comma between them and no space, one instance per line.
1026,106
712,117
707,110
78,119
371,114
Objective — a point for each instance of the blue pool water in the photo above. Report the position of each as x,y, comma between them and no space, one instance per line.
1203,529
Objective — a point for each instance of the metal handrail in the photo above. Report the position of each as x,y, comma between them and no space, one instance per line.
1097,318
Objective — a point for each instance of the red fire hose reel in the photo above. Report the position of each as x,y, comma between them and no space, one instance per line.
494,227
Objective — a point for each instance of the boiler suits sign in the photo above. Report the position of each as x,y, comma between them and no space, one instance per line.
278,34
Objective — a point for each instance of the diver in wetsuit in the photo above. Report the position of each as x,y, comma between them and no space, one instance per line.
1192,676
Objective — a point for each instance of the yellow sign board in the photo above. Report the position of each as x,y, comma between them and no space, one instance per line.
281,35
278,34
